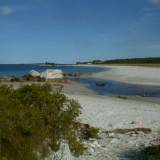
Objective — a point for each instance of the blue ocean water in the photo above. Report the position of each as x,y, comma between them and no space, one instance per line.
22,69
119,88
112,87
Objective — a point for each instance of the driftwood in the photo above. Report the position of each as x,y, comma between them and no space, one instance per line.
135,130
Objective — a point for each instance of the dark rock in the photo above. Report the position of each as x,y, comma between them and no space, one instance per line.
101,84
15,79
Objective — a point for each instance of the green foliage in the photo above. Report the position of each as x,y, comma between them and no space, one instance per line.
92,132
89,132
32,119
152,153
151,60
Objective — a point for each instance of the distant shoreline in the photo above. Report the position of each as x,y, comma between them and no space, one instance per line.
130,74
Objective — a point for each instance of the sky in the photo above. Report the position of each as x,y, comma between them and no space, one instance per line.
66,31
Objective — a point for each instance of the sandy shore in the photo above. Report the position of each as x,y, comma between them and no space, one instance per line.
131,74
108,113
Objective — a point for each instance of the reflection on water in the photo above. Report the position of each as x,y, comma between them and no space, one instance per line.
118,88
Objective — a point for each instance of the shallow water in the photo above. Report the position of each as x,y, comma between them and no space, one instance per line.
118,88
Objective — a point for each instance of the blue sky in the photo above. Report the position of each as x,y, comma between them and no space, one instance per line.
66,31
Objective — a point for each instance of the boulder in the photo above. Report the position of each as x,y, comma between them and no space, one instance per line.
101,84
52,74
63,153
34,73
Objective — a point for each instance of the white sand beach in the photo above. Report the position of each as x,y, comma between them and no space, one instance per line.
108,113
131,74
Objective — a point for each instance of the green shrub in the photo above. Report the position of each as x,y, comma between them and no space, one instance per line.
92,132
152,153
88,132
32,119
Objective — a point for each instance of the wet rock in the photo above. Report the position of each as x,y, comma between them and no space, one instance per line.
101,84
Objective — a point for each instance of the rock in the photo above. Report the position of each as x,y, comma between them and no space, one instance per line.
52,74
34,73
133,122
111,134
101,84
96,144
133,135
64,153
114,140
91,150
5,78
15,79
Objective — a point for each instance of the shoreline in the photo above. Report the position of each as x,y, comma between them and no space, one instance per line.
139,75
111,112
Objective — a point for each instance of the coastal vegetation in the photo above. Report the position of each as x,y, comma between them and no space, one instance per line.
151,153
33,120
130,61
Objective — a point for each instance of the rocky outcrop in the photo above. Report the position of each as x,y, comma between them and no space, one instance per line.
52,74
34,73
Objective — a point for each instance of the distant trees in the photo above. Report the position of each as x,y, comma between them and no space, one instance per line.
152,60
133,61
33,119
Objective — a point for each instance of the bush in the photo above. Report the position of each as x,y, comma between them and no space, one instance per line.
88,132
152,153
32,119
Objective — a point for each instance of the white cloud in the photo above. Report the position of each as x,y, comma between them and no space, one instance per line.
6,10
155,2
153,46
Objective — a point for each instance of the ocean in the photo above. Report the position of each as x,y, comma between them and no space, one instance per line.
112,87
22,69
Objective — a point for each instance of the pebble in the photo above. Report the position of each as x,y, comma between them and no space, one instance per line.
90,150
111,134
114,141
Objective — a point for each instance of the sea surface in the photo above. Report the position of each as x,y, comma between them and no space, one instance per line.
120,89
111,87
22,69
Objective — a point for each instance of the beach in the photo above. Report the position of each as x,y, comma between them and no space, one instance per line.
131,74
115,112
112,112
108,114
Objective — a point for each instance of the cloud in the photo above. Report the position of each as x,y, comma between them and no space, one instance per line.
154,46
6,10
155,2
